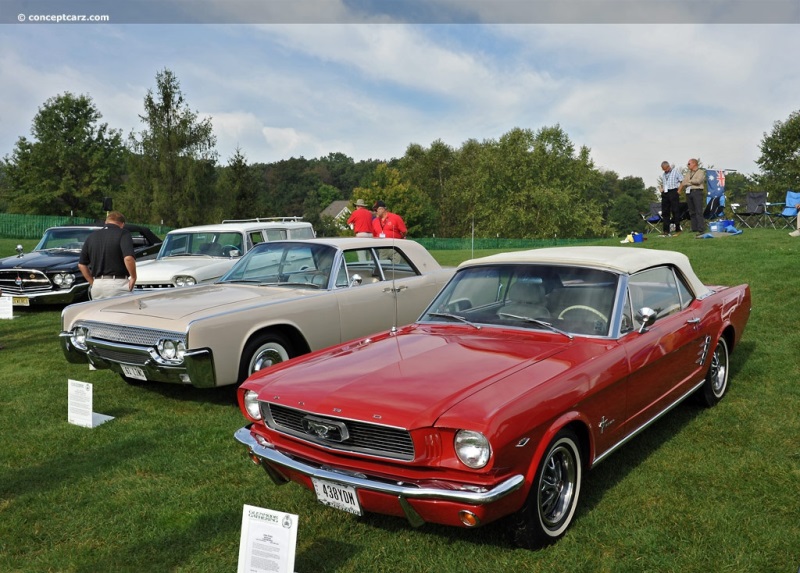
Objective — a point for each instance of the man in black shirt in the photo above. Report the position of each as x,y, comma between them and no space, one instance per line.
107,260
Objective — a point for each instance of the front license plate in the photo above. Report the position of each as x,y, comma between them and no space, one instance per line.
133,372
20,301
337,495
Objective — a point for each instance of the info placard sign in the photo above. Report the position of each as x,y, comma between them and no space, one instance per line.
6,307
79,406
268,541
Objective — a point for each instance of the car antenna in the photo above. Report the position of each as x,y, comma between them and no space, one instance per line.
394,289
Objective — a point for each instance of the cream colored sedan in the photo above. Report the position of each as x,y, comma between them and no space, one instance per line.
282,299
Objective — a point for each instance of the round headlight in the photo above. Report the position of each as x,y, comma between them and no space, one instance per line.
182,281
180,350
58,278
167,349
79,337
69,278
250,401
472,448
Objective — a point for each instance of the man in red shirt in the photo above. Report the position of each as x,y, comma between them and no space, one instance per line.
387,224
361,220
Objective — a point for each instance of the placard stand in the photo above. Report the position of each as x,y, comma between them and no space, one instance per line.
268,541
6,307
79,406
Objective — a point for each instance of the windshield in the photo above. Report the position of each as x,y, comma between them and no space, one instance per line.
285,263
69,239
570,299
206,243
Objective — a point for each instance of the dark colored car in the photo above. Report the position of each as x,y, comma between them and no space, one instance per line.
49,274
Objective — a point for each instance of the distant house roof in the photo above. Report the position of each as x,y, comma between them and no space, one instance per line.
337,210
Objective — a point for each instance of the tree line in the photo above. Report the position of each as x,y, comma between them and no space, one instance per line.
525,184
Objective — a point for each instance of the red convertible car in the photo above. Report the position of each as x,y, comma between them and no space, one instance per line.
527,369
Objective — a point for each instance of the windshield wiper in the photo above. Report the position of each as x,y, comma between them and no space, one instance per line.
299,283
537,322
455,317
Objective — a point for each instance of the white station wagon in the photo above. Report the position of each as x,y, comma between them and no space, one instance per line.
202,254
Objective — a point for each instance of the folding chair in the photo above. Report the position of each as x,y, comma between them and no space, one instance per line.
653,218
755,211
788,216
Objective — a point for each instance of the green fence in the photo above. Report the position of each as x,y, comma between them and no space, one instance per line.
442,244
34,226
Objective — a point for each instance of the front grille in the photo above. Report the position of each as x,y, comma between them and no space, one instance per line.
24,281
133,335
121,356
364,438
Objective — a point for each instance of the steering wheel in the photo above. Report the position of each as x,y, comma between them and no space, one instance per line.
226,250
582,307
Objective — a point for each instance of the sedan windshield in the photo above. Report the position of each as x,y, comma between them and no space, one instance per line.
68,239
205,244
564,299
286,264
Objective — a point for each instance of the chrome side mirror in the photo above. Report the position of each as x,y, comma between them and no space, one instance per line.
19,250
234,253
647,316
356,280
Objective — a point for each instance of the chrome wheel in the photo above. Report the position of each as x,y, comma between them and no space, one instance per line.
267,355
557,486
551,503
716,382
262,352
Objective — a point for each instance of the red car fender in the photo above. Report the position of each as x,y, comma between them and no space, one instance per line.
571,417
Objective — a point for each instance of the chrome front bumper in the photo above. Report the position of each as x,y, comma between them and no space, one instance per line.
198,365
273,461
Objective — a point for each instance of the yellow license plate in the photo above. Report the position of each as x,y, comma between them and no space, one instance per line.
20,301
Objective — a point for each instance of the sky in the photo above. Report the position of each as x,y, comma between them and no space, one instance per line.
368,78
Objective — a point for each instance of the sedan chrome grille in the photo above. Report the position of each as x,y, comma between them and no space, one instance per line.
362,437
123,357
154,286
133,335
24,281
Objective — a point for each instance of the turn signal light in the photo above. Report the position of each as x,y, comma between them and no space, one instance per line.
468,518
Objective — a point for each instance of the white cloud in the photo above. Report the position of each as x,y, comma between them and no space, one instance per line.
634,94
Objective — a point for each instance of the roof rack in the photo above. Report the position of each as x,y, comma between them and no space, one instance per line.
265,219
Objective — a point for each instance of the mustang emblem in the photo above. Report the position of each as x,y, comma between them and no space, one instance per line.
604,423
325,429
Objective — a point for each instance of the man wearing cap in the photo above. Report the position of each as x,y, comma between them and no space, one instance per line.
386,224
361,220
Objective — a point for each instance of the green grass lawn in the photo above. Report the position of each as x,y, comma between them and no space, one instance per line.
161,487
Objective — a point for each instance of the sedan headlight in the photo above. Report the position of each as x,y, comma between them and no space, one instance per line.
79,334
184,280
171,350
472,448
250,401
63,280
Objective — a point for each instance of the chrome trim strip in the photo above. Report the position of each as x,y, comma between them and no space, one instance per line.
647,424
272,456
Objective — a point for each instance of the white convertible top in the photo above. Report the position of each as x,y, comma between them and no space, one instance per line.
619,259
